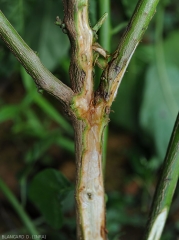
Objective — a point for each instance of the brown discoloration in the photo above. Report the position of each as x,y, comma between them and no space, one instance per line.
80,35
103,232
91,164
81,189
107,110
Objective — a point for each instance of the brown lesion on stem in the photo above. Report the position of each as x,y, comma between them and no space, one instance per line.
89,188
91,119
89,122
81,38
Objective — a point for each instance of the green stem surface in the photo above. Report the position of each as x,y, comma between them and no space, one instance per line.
105,31
165,189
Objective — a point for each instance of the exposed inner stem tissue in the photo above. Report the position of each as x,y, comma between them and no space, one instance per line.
91,195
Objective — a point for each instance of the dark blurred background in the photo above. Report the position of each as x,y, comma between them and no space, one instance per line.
35,135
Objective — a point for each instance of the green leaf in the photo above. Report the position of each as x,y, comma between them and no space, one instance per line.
8,62
129,6
48,108
29,124
171,48
158,112
28,82
44,36
15,13
8,112
40,147
43,103
126,104
66,143
47,191
38,150
93,12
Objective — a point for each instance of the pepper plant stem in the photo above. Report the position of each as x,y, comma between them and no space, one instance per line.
165,189
89,109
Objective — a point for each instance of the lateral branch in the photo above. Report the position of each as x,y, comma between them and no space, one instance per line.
32,64
113,73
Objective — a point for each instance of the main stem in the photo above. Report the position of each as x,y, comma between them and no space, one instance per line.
89,121
89,185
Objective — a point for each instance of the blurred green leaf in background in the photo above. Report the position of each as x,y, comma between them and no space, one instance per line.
47,190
